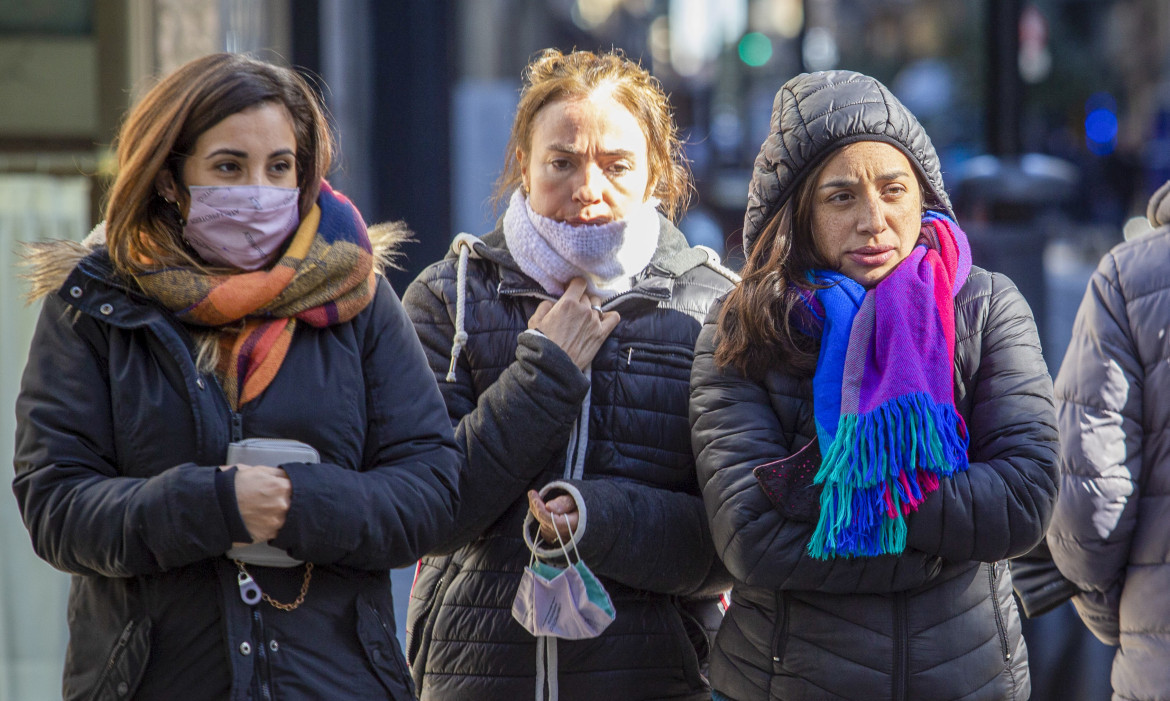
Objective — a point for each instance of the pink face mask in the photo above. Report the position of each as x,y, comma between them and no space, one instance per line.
241,226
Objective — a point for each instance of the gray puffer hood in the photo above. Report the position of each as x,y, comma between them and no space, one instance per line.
813,115
1158,210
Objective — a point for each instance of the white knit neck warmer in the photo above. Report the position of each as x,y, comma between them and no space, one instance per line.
606,255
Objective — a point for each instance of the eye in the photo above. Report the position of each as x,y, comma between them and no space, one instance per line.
840,196
895,190
226,167
560,164
282,167
620,168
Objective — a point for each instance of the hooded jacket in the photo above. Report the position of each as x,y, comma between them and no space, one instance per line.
1109,534
937,622
119,440
515,399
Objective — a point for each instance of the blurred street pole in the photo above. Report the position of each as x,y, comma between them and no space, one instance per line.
1004,86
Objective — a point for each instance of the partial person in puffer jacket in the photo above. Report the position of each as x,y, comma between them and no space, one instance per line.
230,298
1111,530
872,420
562,343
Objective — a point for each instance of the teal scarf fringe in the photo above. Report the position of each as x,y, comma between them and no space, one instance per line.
878,468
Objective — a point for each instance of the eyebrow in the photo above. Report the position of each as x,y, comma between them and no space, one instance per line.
574,151
847,182
242,154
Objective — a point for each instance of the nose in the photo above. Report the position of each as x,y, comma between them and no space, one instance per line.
589,189
871,219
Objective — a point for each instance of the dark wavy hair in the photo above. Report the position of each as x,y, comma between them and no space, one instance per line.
755,329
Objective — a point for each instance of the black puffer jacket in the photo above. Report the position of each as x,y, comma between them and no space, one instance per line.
119,439
515,399
938,622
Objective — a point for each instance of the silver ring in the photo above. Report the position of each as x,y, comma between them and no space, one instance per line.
597,309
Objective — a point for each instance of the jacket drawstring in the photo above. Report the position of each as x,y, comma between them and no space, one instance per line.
713,262
546,659
462,245
579,437
546,646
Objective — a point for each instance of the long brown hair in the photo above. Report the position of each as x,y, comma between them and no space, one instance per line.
143,230
553,76
754,330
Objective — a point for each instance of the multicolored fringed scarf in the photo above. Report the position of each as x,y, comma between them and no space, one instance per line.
883,394
324,278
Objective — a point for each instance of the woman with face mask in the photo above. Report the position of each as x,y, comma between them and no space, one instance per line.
872,422
562,342
229,298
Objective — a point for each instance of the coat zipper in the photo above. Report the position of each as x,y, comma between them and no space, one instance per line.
901,654
115,655
542,295
992,577
263,672
390,635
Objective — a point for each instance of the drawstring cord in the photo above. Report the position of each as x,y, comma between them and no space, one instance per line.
579,437
463,246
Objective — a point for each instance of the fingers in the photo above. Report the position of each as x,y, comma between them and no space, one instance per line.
556,516
541,312
263,496
609,322
576,290
561,505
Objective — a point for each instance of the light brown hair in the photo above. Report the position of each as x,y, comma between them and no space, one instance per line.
143,230
554,76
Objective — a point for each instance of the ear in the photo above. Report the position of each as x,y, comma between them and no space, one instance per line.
164,183
523,161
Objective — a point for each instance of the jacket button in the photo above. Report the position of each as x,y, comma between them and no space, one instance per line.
75,292
123,688
273,645
245,648
106,309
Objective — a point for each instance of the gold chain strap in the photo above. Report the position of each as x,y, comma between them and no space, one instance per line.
300,597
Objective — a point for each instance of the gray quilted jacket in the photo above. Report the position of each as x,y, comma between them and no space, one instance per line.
1110,533
938,622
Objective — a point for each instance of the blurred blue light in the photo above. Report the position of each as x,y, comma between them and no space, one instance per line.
1101,131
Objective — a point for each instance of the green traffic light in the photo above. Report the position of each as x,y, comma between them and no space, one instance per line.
755,49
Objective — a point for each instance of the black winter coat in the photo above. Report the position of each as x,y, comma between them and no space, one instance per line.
514,402
119,438
937,623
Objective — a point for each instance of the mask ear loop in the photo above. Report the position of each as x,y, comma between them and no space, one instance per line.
572,542
561,542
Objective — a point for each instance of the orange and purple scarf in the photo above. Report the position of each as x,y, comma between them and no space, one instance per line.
883,394
324,278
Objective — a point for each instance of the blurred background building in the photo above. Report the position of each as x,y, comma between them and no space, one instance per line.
1051,118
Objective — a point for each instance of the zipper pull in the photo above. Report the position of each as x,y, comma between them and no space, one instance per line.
249,590
630,357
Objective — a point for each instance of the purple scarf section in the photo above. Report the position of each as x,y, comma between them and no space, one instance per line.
883,394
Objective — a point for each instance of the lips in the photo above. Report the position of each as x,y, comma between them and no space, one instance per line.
871,256
586,221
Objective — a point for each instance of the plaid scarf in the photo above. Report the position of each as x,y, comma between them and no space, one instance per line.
883,394
325,277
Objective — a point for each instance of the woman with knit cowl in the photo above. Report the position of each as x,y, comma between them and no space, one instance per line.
226,431
872,420
581,565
